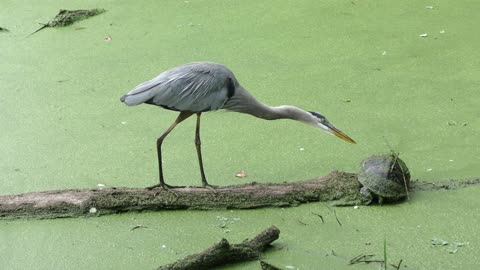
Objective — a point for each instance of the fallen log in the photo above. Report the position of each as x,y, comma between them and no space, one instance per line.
223,252
338,187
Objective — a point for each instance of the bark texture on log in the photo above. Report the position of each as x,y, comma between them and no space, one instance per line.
224,253
342,189
337,186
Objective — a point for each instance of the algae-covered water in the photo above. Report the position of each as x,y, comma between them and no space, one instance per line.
366,65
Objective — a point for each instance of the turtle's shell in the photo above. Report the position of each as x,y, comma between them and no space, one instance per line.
385,175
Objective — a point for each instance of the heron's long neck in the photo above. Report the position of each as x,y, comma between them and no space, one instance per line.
281,112
244,102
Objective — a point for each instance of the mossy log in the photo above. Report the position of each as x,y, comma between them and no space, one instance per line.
339,187
223,252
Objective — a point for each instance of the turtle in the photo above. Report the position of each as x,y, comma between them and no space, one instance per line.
384,177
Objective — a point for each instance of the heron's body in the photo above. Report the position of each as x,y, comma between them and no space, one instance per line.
195,87
205,86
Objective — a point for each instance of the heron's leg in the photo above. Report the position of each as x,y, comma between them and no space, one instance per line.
199,152
182,116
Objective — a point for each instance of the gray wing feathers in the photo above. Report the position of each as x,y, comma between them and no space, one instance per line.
193,87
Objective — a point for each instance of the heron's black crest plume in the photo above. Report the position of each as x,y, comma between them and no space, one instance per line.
316,114
230,88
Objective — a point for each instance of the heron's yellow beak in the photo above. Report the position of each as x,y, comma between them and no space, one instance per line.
332,130
341,135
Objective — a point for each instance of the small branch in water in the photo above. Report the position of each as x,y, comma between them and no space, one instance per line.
267,266
68,17
223,252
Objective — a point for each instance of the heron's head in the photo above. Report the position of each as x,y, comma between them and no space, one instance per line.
318,120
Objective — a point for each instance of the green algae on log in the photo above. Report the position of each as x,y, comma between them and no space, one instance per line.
223,252
68,17
342,189
339,187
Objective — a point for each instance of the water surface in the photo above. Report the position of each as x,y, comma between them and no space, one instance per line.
363,64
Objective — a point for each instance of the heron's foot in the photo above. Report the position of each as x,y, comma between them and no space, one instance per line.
208,186
163,186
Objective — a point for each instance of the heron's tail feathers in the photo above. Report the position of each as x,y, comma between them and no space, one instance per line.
136,98
132,100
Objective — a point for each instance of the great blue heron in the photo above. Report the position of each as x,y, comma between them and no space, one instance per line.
200,87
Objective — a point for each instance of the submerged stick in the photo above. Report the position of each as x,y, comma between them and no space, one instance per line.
337,186
224,253
267,266
68,17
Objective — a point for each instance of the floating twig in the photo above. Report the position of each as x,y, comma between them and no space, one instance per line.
364,258
267,266
138,227
335,214
303,223
398,265
318,215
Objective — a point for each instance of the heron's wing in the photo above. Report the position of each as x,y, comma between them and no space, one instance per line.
196,87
